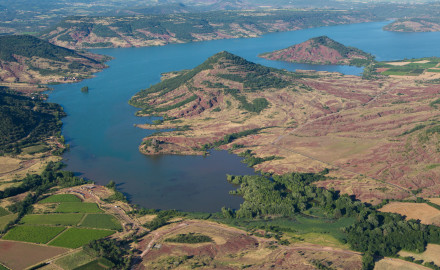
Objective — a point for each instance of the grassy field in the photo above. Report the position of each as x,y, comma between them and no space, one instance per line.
75,237
78,207
102,221
52,219
413,67
74,260
302,226
35,149
3,268
3,212
100,263
33,234
4,220
61,198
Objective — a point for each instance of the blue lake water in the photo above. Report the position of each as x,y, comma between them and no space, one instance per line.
104,142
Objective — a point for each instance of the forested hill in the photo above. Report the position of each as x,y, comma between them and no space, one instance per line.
321,50
151,30
27,59
26,121
12,46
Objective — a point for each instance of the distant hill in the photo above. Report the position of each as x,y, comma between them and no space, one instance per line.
321,50
27,59
25,121
414,25
153,30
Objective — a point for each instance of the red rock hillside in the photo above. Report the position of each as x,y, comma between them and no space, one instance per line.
321,50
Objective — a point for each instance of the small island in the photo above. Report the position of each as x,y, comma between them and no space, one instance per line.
321,50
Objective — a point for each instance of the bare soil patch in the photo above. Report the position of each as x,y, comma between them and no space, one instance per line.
19,255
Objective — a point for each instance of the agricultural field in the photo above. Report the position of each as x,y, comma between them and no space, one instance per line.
392,264
59,198
422,211
413,67
431,254
75,237
53,219
4,220
98,264
3,212
74,260
78,207
101,221
11,254
33,234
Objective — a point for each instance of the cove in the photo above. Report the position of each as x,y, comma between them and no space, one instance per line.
100,124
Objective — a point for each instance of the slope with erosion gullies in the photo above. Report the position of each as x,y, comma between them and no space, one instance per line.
27,59
153,30
321,50
367,131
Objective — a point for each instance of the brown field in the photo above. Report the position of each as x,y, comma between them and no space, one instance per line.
435,200
425,213
19,255
393,264
233,249
431,254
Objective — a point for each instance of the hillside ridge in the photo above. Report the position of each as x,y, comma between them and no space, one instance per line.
29,60
321,50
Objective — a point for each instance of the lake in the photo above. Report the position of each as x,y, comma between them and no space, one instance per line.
100,124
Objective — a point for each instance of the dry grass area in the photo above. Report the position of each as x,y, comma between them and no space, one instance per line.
12,168
19,255
435,200
359,128
145,219
427,214
234,249
393,264
431,254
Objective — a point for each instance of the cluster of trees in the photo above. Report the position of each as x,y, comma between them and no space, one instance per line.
113,250
375,233
190,238
25,121
228,138
251,160
385,234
